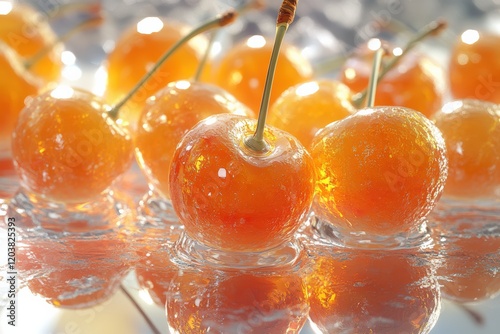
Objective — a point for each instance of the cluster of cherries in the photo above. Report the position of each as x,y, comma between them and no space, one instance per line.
232,202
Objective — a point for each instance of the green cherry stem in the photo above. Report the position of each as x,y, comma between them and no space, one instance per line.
141,311
372,85
73,7
475,316
285,18
241,10
334,63
395,26
204,59
432,29
93,21
220,21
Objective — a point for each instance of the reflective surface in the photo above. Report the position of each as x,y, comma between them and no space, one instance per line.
467,243
372,291
322,30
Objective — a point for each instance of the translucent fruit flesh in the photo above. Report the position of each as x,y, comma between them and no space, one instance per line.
241,73
304,109
236,302
471,130
67,148
379,171
16,85
416,82
357,291
474,68
137,51
28,32
225,194
166,118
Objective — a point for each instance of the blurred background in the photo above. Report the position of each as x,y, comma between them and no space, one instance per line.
323,30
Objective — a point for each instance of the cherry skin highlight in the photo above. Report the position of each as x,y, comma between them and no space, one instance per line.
241,73
471,130
168,116
304,109
66,148
379,171
135,52
28,32
474,67
416,82
222,191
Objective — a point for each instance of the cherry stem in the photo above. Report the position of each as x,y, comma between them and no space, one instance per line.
432,29
141,311
220,21
372,85
285,17
70,8
395,26
475,316
204,59
241,10
90,22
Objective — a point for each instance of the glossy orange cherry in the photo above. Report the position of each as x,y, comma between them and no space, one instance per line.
28,32
67,148
221,189
21,79
366,291
168,116
241,73
137,49
379,171
416,82
228,168
471,130
474,67
304,109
